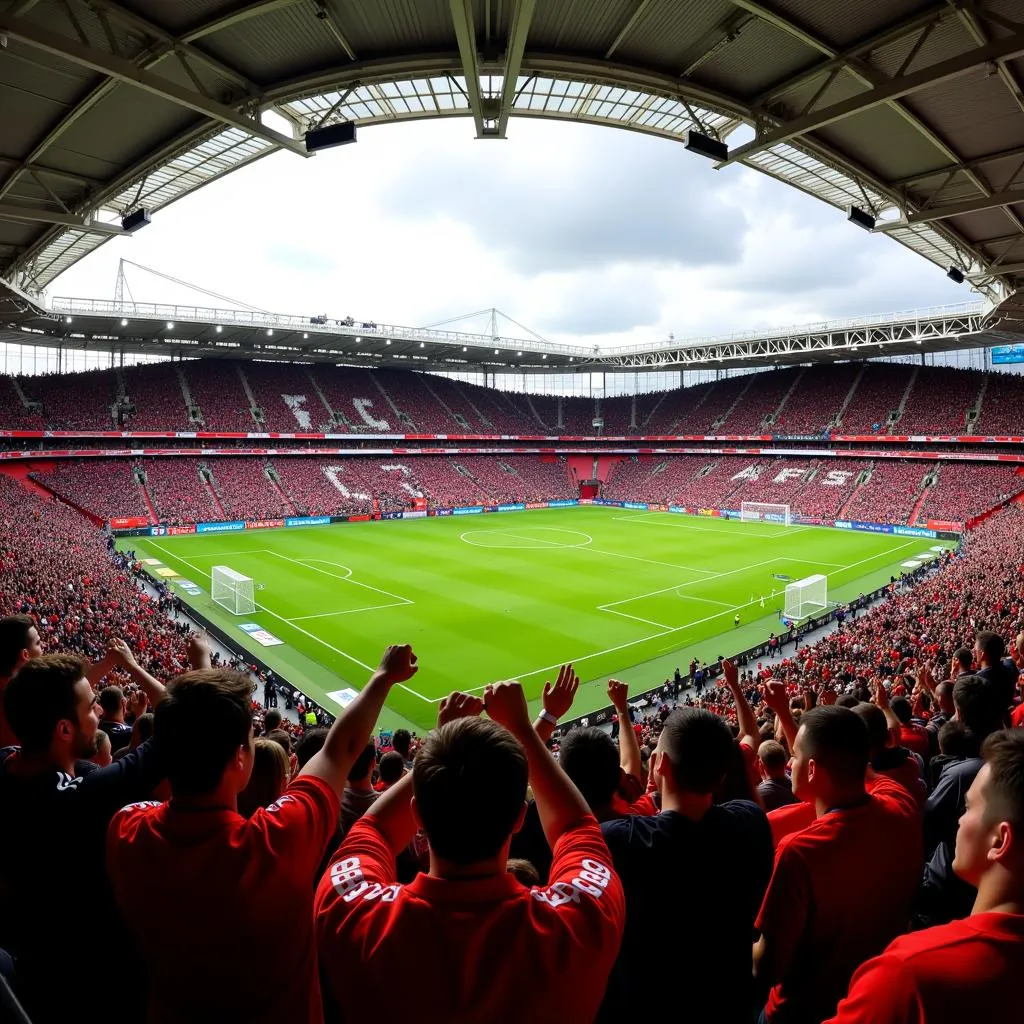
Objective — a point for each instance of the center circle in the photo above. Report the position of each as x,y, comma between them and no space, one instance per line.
518,539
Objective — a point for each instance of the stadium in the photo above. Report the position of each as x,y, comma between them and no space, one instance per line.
735,605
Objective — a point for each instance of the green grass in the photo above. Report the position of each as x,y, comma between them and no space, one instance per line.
512,595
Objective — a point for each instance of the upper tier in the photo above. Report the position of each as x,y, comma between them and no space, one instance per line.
225,395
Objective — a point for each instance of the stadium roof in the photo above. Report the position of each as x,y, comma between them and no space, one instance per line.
908,109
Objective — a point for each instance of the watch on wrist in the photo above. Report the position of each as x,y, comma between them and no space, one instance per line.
548,717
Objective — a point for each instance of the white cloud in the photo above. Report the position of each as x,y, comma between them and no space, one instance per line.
584,234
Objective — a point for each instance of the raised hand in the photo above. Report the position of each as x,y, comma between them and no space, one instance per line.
138,704
120,653
506,705
732,676
827,695
880,693
398,663
558,699
618,694
199,651
775,695
458,705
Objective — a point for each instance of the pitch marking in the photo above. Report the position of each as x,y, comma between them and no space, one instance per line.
532,543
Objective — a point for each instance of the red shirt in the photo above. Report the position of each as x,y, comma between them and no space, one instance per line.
481,950
210,895
1017,716
915,738
967,970
838,896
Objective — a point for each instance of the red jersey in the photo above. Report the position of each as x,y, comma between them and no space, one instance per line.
1017,716
967,970
209,894
833,901
480,950
915,738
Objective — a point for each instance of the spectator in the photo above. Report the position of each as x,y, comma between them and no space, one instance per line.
391,769
113,705
989,651
268,780
775,788
968,970
814,930
19,643
912,736
249,880
692,758
458,926
885,757
55,818
104,755
402,742
359,794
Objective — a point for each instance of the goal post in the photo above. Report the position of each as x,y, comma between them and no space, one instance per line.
232,591
806,597
765,512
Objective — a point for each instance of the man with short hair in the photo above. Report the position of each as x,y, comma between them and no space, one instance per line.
815,931
963,662
249,880
19,643
113,705
775,789
989,651
694,753
391,769
967,970
56,811
271,721
401,741
465,932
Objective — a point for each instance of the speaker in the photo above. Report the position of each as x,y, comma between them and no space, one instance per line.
704,145
135,220
955,274
333,135
860,217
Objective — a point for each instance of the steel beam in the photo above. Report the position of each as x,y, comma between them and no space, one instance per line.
218,24
631,21
521,19
927,216
10,211
465,34
121,70
893,89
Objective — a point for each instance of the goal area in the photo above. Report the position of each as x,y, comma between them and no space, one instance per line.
764,512
232,591
806,597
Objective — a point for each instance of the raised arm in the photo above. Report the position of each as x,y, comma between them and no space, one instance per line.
629,745
559,802
121,654
351,730
776,697
750,735
557,701
882,700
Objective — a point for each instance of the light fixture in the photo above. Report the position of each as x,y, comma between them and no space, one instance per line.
358,340
135,220
519,353
219,328
955,274
124,323
544,356
421,344
270,331
464,349
304,335
860,217
333,135
170,325
67,319
388,342
705,145
495,351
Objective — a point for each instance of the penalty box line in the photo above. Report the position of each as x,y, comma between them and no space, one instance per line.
288,622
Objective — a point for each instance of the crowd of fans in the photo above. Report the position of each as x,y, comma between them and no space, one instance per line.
838,837
108,490
399,401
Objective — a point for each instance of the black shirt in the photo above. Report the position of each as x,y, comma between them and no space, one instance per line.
775,793
119,733
699,929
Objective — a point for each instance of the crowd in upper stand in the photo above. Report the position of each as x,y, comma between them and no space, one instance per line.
851,398
839,837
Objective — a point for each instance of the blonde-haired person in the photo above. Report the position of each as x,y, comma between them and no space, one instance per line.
269,779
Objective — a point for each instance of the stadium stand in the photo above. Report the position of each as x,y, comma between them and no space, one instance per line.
1001,403
939,400
816,399
217,389
879,393
284,394
767,392
86,406
353,395
108,491
965,490
177,491
156,395
246,492
891,493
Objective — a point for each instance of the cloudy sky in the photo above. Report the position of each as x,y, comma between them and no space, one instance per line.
582,234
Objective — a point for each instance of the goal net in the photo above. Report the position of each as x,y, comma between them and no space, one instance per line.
232,591
763,512
806,597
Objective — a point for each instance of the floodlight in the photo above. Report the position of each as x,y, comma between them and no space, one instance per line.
860,217
333,135
219,328
135,220
705,145
124,323
170,325
955,274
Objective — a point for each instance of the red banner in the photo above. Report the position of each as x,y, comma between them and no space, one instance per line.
264,524
359,519
128,522
177,531
944,524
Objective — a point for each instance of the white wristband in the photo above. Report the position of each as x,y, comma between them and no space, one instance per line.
548,717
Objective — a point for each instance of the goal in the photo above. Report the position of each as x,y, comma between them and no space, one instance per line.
232,591
763,512
806,597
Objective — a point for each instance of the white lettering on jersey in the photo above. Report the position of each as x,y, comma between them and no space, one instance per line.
362,404
280,802
750,473
302,417
141,803
836,478
592,880
350,883
65,781
788,474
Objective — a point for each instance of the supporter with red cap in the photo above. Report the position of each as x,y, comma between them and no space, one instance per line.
970,969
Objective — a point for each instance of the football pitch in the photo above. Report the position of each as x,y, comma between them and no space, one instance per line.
513,595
